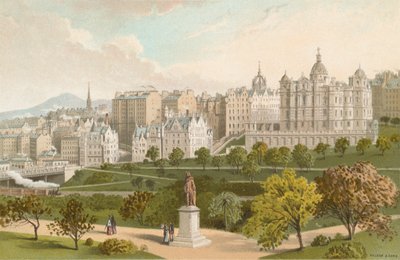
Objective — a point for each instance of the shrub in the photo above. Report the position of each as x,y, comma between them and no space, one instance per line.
321,240
347,250
99,177
144,248
89,242
115,246
339,236
145,161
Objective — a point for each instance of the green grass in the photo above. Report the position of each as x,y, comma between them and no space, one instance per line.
21,246
376,248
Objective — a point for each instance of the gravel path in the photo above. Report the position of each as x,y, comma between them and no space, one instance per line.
225,245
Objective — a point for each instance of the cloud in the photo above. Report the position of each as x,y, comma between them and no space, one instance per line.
208,28
128,7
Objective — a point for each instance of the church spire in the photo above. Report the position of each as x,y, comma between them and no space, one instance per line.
259,68
89,100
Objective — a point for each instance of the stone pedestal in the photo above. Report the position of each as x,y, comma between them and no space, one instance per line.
189,229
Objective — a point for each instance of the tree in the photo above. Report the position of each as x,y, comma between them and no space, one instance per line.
395,121
237,157
161,164
395,138
217,161
383,144
105,166
202,156
363,144
137,182
341,145
287,202
251,168
27,210
162,208
134,205
286,155
228,205
130,167
273,158
302,156
385,119
175,158
261,149
153,153
321,149
356,195
74,222
150,184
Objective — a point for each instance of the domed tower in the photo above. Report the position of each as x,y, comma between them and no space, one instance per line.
259,81
318,73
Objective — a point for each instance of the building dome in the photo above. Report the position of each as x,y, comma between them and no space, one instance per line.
285,78
319,69
360,73
259,81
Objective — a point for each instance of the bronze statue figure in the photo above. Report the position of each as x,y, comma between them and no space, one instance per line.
190,190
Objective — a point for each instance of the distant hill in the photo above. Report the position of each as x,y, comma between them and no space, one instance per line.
66,100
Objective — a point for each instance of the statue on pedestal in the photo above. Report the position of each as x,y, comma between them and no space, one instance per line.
190,190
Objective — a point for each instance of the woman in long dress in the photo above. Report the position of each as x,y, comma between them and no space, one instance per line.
166,234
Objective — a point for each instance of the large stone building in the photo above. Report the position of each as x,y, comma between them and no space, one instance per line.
386,95
38,144
319,109
238,110
70,149
189,133
179,102
98,146
213,109
135,108
14,144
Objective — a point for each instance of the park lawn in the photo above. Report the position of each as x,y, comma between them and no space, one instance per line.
86,173
376,248
126,186
21,246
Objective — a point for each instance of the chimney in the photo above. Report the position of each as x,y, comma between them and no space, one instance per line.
106,122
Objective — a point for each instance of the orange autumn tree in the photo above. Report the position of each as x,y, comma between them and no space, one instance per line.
355,195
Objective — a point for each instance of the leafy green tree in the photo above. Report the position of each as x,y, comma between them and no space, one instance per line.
385,119
287,202
341,145
134,205
4,218
321,149
286,155
105,166
261,149
395,138
162,207
237,157
251,168
383,144
138,181
302,156
161,164
153,153
74,222
27,210
395,121
130,167
363,144
228,205
175,158
356,196
150,184
273,158
202,156
217,161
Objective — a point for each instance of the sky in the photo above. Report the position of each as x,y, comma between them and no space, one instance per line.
49,47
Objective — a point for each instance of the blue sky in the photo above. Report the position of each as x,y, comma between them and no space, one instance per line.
57,46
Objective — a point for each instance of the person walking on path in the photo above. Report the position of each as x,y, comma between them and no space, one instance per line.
171,232
113,225
109,226
166,234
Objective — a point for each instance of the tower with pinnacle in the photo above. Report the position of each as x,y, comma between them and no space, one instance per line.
89,100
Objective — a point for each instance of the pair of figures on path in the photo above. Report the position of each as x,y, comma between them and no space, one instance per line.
168,233
111,225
